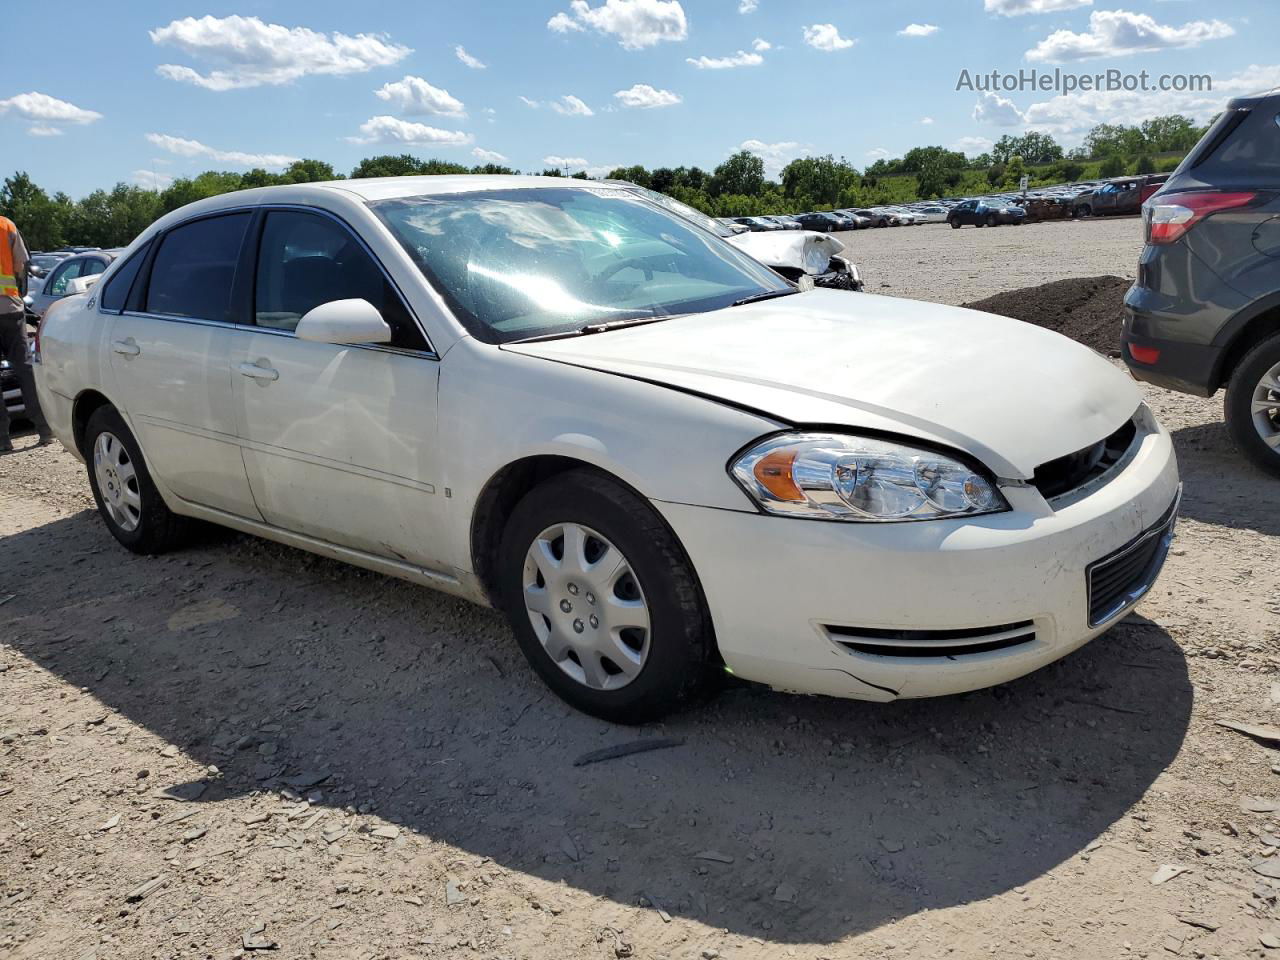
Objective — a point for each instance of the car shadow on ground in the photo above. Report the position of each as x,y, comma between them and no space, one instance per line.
838,816
1219,485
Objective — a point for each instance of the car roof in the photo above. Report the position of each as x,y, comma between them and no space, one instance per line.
373,189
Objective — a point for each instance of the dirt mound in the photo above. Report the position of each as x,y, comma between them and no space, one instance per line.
1086,309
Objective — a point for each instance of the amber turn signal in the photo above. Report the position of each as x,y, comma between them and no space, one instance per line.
773,471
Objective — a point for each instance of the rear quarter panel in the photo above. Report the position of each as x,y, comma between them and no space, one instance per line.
73,352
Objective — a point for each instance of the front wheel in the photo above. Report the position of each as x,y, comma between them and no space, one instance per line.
603,601
127,499
955,224
991,220
1252,405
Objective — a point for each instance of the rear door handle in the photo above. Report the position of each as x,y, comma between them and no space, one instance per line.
259,372
126,348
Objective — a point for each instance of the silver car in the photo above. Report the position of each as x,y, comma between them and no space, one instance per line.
54,287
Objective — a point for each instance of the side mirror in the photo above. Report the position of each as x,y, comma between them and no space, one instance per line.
81,284
343,321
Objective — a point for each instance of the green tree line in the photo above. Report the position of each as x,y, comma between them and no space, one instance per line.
737,187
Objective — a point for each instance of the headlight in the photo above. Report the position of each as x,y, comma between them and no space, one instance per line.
820,476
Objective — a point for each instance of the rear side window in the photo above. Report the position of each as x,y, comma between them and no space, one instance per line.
116,293
305,260
194,268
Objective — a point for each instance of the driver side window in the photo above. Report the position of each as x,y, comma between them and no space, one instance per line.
305,260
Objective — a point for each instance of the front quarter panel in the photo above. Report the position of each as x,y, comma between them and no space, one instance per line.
498,407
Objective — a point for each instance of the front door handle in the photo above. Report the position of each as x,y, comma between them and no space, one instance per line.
126,348
258,371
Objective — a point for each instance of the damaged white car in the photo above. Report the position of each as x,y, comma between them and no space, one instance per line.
791,254
658,457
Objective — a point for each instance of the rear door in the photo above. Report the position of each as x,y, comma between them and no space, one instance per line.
169,349
339,441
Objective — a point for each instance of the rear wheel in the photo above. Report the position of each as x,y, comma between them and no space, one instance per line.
127,499
955,224
991,220
603,601
1252,405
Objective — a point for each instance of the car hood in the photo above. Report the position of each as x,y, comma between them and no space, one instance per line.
805,250
1007,392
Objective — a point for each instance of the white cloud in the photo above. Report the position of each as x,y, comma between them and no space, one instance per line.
414,97
393,130
461,53
235,158
825,37
748,6
563,23
532,104
775,155
972,146
760,45
1069,117
488,156
739,59
644,96
555,161
150,179
917,30
45,113
926,120
877,153
1118,33
998,110
570,106
1015,8
245,52
635,23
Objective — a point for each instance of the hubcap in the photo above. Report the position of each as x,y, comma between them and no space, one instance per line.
586,606
1266,408
117,481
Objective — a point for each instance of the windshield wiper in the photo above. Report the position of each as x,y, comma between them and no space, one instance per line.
767,295
615,324
594,328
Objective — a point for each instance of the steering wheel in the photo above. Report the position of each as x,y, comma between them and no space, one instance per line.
613,268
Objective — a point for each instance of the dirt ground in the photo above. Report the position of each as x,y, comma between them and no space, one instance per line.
240,745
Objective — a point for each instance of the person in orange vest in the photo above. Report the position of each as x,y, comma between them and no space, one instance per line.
13,331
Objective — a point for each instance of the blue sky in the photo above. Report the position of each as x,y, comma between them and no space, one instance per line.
143,91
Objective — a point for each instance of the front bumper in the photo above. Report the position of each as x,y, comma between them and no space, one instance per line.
777,586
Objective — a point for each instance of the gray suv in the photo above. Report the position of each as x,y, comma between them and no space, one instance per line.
1204,312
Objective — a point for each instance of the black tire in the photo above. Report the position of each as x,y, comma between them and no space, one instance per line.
991,220
1238,406
955,224
681,658
159,529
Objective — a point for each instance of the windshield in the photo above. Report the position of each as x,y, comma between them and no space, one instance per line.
691,214
515,264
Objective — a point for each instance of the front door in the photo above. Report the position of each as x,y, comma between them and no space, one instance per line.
338,440
169,364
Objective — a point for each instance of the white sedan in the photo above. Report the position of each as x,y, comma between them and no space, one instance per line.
659,458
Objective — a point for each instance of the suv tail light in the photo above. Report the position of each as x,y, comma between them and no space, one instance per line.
1168,217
